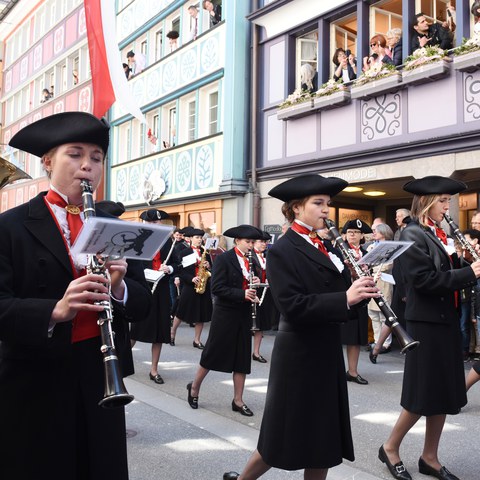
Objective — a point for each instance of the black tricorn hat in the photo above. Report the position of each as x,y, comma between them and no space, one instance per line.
153,214
244,231
265,236
356,224
196,231
173,34
186,231
306,185
41,136
113,208
434,184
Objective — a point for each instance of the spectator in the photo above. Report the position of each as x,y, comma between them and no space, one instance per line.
426,34
475,222
215,12
127,70
173,40
379,56
394,43
193,12
476,15
46,96
400,215
75,77
308,78
136,62
346,66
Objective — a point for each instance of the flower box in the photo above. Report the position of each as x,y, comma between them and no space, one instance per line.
468,62
374,88
334,100
296,111
426,73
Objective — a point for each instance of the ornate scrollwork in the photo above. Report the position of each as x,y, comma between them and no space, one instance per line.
380,116
471,97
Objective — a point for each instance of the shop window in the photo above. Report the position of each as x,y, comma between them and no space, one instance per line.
307,60
344,35
203,220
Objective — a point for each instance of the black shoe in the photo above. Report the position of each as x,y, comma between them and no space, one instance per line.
198,345
372,357
230,475
259,359
442,474
192,401
172,341
358,379
398,470
156,378
244,410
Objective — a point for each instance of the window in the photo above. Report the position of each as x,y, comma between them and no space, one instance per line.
191,120
143,47
213,113
344,34
384,16
172,126
143,138
176,24
158,45
307,54
63,78
434,9
202,220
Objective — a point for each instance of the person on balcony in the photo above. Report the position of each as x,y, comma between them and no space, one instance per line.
346,65
426,34
379,55
394,44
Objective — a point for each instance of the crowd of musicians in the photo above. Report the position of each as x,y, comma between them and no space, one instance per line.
303,284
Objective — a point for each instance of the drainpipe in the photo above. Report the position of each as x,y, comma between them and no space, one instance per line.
253,129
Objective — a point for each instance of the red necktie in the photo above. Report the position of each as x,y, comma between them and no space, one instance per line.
247,266
312,235
73,214
439,232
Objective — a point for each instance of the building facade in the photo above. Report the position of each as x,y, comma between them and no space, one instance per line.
377,137
46,70
190,158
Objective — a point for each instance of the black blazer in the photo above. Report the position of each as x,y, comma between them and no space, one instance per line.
34,272
430,277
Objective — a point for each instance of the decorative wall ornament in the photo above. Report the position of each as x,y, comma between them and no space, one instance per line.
381,117
204,167
183,171
471,96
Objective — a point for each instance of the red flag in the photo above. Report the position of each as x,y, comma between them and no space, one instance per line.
103,94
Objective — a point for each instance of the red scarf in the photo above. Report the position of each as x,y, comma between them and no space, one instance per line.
157,261
247,266
84,324
312,235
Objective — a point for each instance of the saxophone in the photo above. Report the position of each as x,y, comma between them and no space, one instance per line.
203,274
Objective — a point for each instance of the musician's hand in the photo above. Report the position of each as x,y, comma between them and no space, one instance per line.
177,281
80,295
206,264
165,268
196,280
251,295
117,270
255,280
476,268
362,289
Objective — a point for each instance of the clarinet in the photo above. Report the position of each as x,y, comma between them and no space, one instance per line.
115,394
251,274
406,342
466,245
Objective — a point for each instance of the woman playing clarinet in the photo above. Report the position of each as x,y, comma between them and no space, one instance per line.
306,423
433,381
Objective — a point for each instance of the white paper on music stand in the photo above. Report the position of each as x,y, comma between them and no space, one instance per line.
189,260
384,252
152,275
111,237
211,243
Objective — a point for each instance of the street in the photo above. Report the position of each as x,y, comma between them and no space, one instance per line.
169,440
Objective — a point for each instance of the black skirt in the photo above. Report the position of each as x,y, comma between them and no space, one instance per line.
267,312
156,328
194,307
434,377
355,330
229,344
